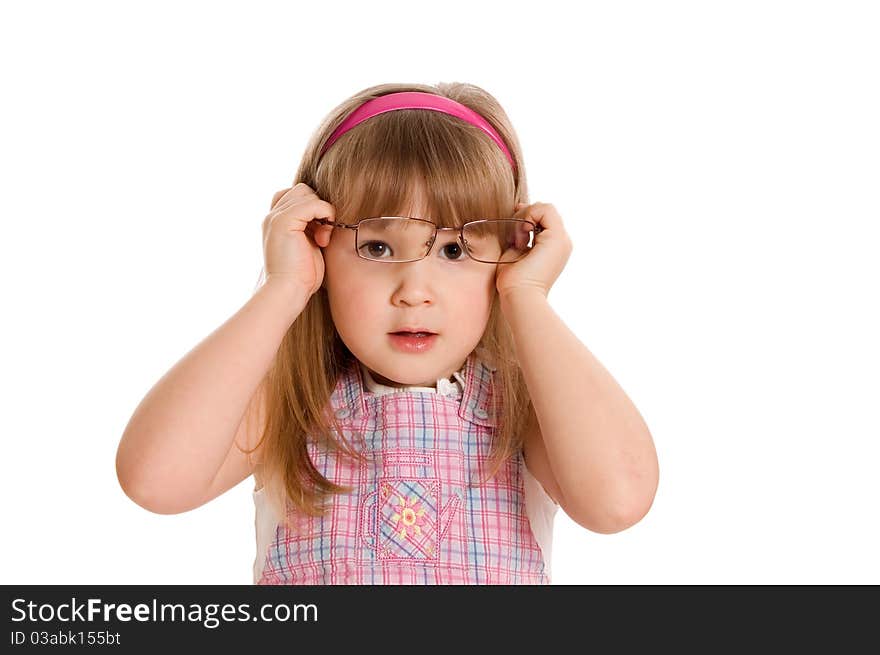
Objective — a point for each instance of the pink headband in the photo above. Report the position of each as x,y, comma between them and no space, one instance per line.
415,100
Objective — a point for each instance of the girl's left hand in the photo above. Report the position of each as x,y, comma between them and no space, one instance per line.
547,257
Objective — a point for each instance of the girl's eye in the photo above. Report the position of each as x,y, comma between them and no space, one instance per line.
374,249
453,251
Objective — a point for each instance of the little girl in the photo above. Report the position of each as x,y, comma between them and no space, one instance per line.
412,409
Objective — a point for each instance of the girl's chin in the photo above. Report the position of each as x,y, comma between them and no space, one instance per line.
403,382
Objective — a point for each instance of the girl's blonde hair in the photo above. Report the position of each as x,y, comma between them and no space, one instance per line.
373,170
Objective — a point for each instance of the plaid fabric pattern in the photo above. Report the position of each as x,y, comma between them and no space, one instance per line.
417,513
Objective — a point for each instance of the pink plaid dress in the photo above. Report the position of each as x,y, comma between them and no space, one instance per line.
417,513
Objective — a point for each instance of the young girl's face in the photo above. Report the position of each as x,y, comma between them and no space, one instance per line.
446,292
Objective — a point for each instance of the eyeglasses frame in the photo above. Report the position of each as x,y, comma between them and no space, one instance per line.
537,228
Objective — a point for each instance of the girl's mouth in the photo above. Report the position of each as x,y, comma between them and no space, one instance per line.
412,342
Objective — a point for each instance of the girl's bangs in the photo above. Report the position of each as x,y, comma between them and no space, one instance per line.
419,166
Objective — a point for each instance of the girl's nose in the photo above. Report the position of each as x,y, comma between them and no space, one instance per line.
412,283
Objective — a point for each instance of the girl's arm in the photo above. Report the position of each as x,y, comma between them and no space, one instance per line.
586,443
591,445
177,450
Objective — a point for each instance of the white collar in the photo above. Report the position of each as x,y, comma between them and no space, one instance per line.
443,386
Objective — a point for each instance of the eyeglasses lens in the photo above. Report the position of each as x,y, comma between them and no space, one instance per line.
498,241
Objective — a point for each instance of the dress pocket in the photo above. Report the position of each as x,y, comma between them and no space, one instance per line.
408,514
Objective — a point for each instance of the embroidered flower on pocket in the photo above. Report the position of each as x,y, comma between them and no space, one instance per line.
410,517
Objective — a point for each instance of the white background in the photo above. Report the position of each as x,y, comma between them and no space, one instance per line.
716,165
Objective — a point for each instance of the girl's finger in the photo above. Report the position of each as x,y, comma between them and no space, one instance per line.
544,214
276,197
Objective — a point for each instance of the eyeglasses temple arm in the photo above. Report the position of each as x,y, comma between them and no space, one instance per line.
324,221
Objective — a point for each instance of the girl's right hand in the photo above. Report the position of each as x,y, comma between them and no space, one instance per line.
291,243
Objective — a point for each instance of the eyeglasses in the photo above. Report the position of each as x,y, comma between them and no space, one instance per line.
394,239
